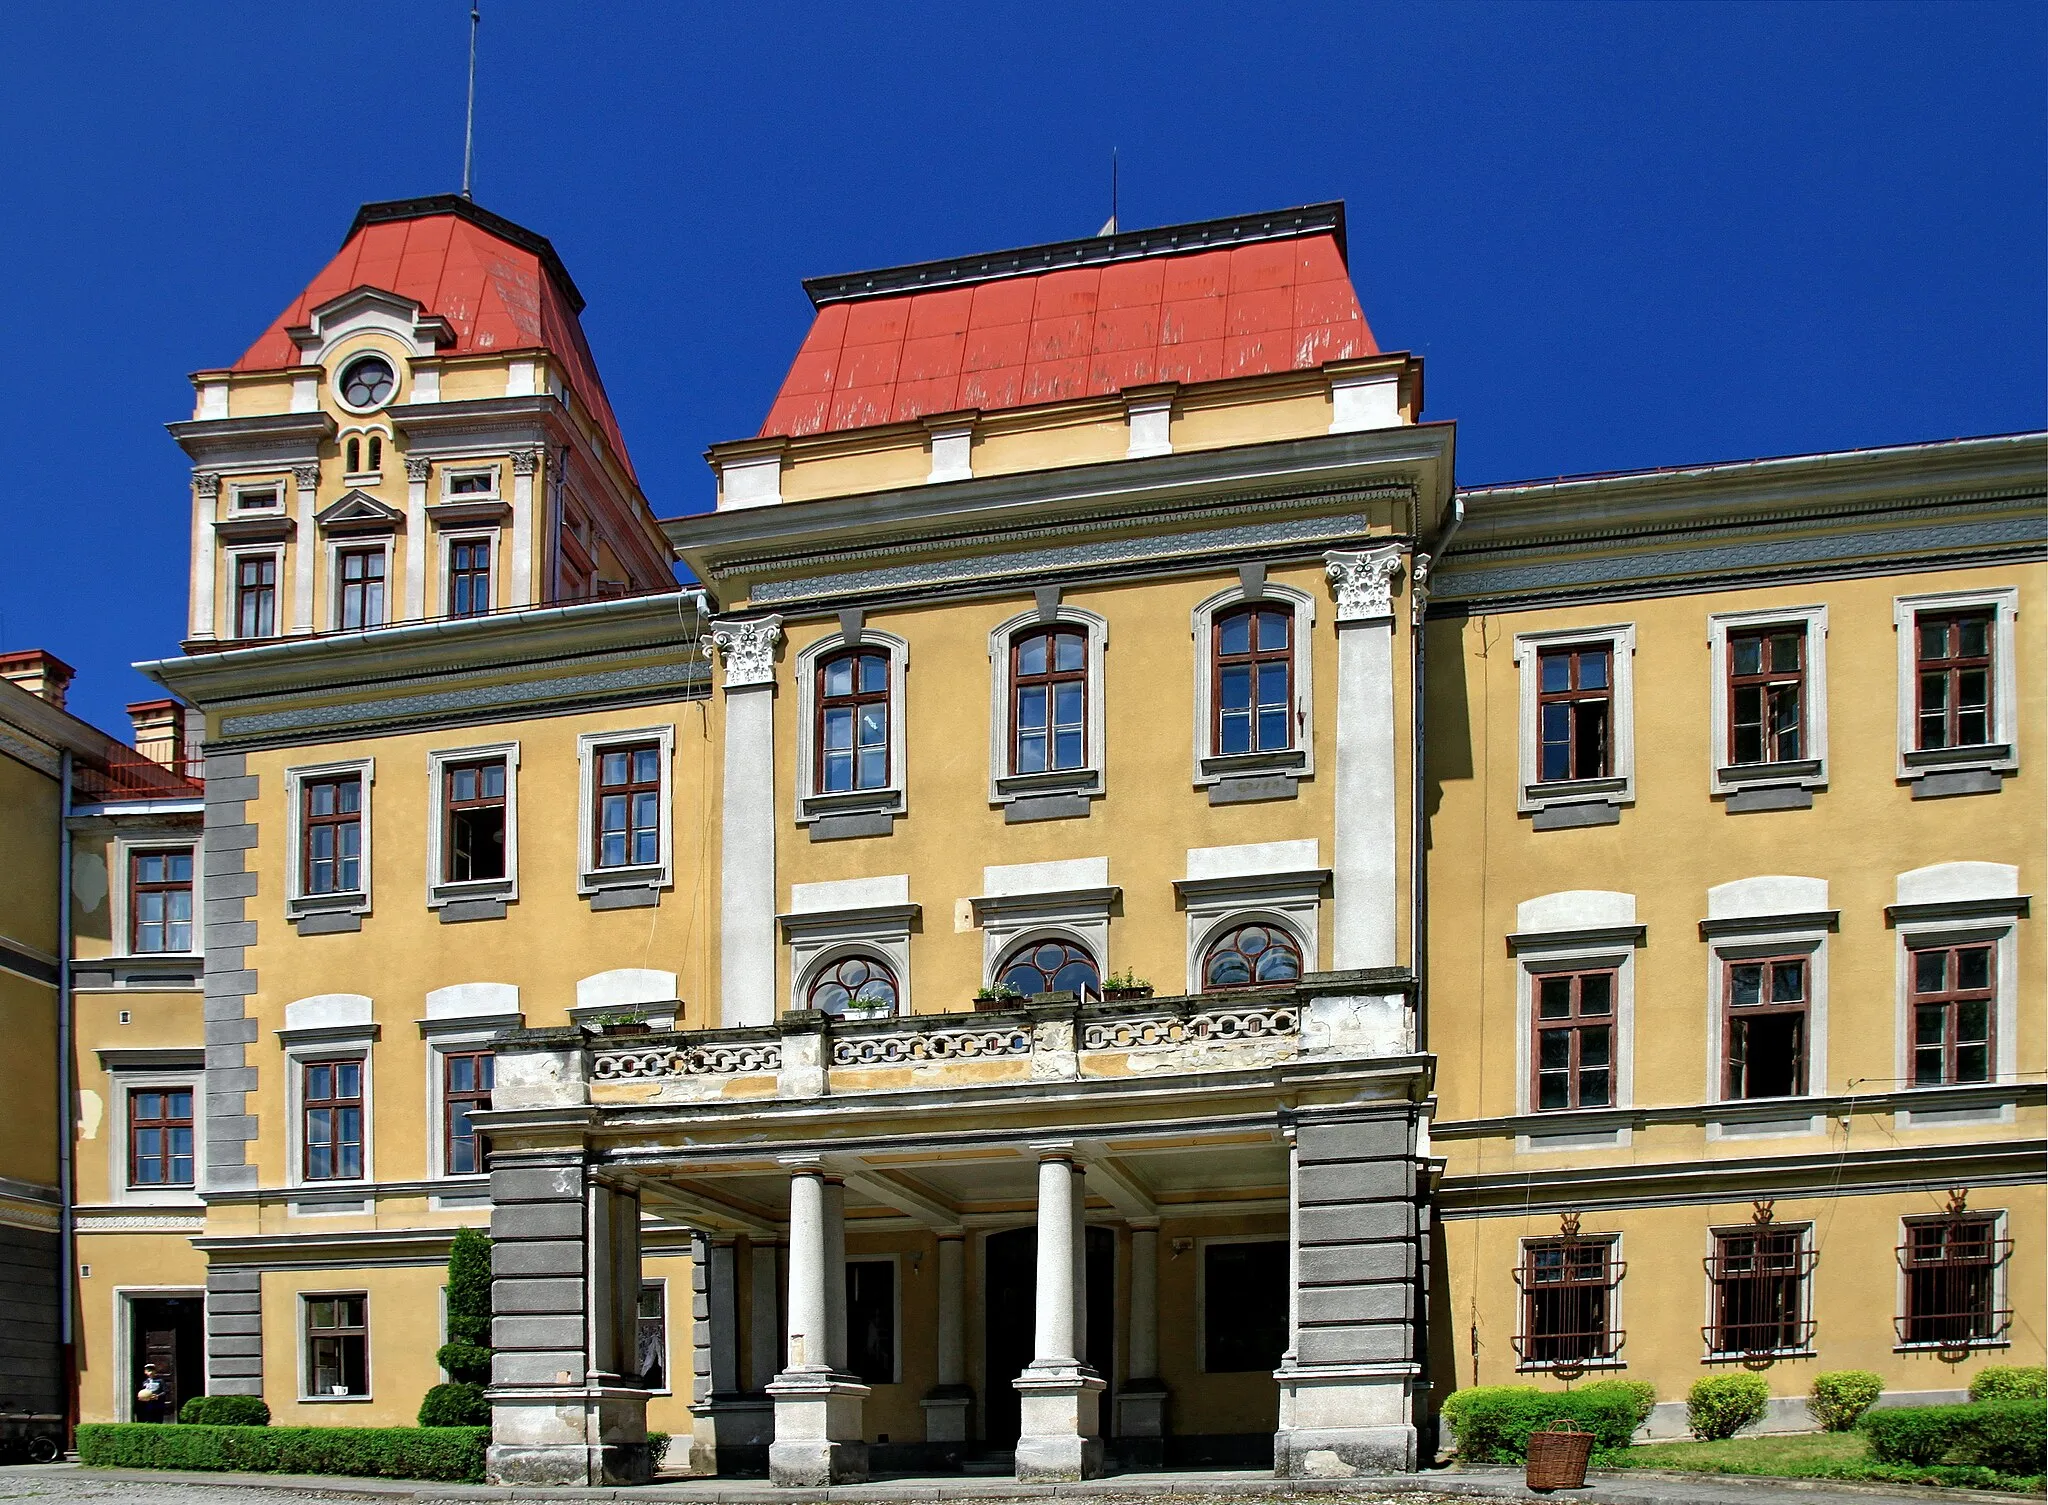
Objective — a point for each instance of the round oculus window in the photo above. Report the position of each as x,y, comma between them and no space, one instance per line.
367,382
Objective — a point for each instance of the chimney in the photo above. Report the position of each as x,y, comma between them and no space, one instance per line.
160,732
39,673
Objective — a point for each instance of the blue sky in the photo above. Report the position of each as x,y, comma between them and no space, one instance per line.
1621,235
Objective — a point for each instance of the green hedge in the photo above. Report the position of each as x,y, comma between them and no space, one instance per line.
2010,1382
2005,1436
453,1455
1841,1395
1720,1405
1493,1422
224,1411
455,1404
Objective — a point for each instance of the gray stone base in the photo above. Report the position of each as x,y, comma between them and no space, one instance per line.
1141,1409
1058,1459
607,1463
946,1412
1061,1438
1342,1453
813,1463
581,1435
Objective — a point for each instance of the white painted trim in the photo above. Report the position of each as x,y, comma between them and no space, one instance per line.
2001,1294
1619,788
441,890
1365,400
204,585
362,543
1083,920
746,901
1617,1321
125,1297
591,878
827,935
1571,952
121,883
1806,1245
300,1053
235,556
1724,777
1090,778
2004,602
338,365
894,796
1289,900
1810,940
2002,931
468,533
446,1036
305,555
298,903
305,1353
1208,766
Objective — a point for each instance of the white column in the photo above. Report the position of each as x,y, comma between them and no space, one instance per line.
1144,1337
1363,871
205,503
1060,1437
765,1341
1054,1342
809,1343
747,871
417,471
524,463
835,1273
818,1429
305,546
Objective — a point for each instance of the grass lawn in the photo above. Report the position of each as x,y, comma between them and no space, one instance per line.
1807,1455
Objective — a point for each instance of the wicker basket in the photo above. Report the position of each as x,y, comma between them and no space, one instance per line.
1557,1457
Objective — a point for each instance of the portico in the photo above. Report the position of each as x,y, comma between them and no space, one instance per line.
974,1207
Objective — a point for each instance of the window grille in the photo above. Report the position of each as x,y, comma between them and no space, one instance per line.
1569,1285
1954,1266
1758,1275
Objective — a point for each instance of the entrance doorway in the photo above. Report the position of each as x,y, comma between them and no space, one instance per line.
1012,1319
169,1332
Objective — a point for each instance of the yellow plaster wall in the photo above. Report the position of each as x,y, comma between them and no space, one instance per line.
1294,416
156,1021
880,467
1083,439
29,1128
142,1264
28,875
404,1320
259,396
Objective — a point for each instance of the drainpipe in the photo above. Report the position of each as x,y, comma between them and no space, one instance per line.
1418,843
67,1251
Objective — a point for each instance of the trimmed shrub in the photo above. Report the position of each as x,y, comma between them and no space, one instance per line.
1842,1395
224,1411
456,1404
1493,1422
1723,1404
466,1356
452,1455
657,1449
2010,1382
1640,1394
2006,1436
1911,1434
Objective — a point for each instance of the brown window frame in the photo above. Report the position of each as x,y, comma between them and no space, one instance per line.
261,593
1253,659
484,1072
1952,1281
359,590
1952,667
452,808
338,818
1581,1289
1950,998
335,1102
1739,1287
1578,1024
166,1123
1232,943
1573,696
137,887
853,701
630,792
1049,681
1734,1014
476,578
1765,680
339,1335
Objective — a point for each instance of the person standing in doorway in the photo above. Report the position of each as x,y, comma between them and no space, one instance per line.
151,1399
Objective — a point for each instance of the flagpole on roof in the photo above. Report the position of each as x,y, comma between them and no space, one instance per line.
469,118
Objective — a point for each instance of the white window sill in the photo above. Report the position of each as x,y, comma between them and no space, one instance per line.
1607,791
1018,786
455,892
363,478
1289,762
335,1400
1801,773
299,906
853,802
598,880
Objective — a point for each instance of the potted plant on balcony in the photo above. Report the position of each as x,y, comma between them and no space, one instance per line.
1121,987
629,1022
996,997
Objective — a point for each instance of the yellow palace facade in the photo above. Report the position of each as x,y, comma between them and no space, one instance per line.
1123,916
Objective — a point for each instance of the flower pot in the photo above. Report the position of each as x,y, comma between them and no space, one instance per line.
626,1029
1125,995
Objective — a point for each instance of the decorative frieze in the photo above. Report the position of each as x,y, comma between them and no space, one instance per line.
938,1045
1211,1027
715,1059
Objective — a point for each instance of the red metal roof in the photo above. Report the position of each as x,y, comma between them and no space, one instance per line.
500,287
1283,302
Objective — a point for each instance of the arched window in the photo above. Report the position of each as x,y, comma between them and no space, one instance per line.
858,982
853,722
354,462
1251,956
1254,689
376,452
1049,709
1049,966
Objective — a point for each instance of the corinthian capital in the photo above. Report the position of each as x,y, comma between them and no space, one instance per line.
525,461
208,483
306,477
1364,583
418,467
749,650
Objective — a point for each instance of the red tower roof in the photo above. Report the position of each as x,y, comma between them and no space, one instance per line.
1084,318
500,287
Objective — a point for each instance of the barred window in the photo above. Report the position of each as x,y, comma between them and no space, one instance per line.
1758,1276
1953,1266
1569,1285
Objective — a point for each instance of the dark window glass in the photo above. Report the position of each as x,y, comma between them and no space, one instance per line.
1049,699
1767,695
354,461
1574,709
255,595
466,1087
1049,967
160,901
1244,1307
361,587
160,1137
1952,1268
333,1108
376,452
1251,956
473,483
367,382
1253,691
473,836
1953,665
853,982
1764,1024
1574,1045
853,722
1568,1301
1759,1291
650,1332
871,1320
333,835
469,577
628,796
337,1345
1953,1000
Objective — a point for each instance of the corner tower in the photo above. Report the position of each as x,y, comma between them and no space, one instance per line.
421,433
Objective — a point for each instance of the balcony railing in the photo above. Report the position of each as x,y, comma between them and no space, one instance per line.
135,780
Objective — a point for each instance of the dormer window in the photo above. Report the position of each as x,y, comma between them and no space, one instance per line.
368,382
473,482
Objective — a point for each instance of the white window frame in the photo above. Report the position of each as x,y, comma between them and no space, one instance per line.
590,878
125,1298
895,1263
1725,777
369,474
449,472
237,507
829,922
2001,1290
1298,761
460,1018
470,534
1619,787
298,903
1202,1243
305,1361
358,543
1799,935
1004,785
1967,918
1069,908
442,891
1588,930
1280,884
1712,1359
894,797
321,1042
235,556
122,898
1616,1320
125,1079
2002,754
668,1373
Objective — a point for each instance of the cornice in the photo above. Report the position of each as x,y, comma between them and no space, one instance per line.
204,438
